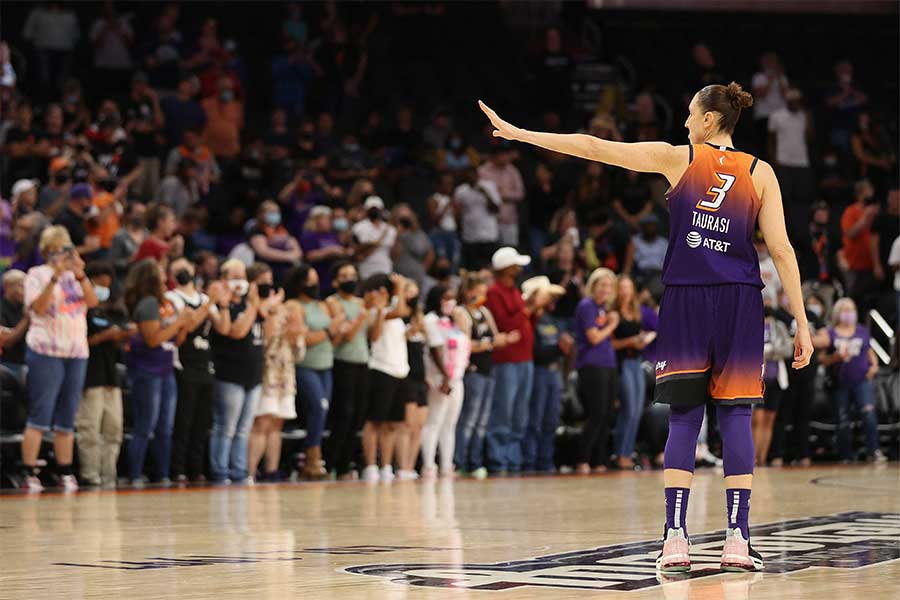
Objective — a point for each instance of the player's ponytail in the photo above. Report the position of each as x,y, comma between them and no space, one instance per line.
727,100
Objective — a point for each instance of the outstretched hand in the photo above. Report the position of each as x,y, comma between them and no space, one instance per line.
803,348
502,129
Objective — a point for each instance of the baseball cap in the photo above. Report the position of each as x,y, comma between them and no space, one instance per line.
81,190
374,202
507,257
22,186
541,282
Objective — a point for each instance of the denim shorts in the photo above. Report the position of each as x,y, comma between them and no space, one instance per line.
54,391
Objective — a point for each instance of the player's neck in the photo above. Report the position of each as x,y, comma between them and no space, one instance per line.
720,139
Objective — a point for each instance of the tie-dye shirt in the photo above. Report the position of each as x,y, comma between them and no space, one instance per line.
62,330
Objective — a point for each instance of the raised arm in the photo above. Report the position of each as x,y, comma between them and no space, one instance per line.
644,157
771,223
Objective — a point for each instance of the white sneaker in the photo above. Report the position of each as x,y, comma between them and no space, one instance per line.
407,475
387,473
429,473
738,554
68,483
480,473
879,457
370,473
676,554
33,484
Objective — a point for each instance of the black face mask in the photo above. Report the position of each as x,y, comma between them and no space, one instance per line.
312,291
348,287
406,223
441,272
374,214
183,277
265,289
413,302
768,311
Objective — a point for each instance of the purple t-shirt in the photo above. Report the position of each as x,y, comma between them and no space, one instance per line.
317,240
853,372
588,315
155,361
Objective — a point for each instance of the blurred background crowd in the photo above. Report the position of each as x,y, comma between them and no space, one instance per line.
240,247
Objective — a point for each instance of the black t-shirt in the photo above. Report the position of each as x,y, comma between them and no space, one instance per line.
627,329
633,195
546,341
145,143
10,315
416,352
74,224
481,362
23,167
195,354
239,361
101,367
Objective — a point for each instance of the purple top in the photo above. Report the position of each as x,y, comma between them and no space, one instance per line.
587,315
649,322
853,372
155,361
317,240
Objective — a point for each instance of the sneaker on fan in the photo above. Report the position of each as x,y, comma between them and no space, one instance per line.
738,555
68,483
370,473
33,484
676,553
407,475
387,473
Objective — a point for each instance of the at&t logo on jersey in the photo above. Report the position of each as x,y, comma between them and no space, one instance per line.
661,365
695,240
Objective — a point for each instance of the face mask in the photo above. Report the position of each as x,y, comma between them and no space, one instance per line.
312,291
815,309
101,292
340,224
183,277
847,318
226,96
348,287
447,307
441,272
265,289
406,223
768,311
136,222
830,160
374,214
272,218
239,286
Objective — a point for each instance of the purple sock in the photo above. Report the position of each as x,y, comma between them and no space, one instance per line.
676,508
738,503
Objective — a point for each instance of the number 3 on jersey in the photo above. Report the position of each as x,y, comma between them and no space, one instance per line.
717,192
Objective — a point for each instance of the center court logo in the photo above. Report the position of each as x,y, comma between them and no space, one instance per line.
844,541
694,239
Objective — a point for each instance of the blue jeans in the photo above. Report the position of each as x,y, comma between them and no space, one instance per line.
633,386
543,418
233,412
863,394
509,415
54,391
314,387
153,399
473,421
446,244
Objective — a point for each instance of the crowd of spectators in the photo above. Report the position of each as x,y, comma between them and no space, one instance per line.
361,269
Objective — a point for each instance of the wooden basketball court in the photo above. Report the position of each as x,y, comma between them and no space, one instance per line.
831,532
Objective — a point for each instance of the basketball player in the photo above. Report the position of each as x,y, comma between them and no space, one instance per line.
710,344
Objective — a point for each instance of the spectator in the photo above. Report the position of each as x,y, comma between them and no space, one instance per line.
478,203
181,189
604,245
446,364
23,147
513,366
14,320
873,151
844,101
99,418
856,226
500,170
26,235
270,241
415,389
553,74
291,73
593,191
128,239
852,365
160,243
595,323
816,251
207,172
78,208
770,94
164,52
413,253
790,130
374,239
893,262
53,32
632,199
631,336
321,246
350,372
442,209
151,360
544,199
350,162
456,155
566,271
551,345
224,121
388,367
144,121
324,322
284,333
182,112
53,195
885,228
194,369
777,348
439,130
76,115
646,253
767,272
24,197
113,38
57,295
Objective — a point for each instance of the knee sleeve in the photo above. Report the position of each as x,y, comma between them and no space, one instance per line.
737,439
681,447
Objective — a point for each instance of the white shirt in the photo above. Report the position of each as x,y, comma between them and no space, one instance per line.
763,106
379,261
388,353
52,29
478,223
110,51
448,221
894,261
790,137
442,332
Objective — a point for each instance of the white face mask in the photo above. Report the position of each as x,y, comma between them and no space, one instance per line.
239,286
101,292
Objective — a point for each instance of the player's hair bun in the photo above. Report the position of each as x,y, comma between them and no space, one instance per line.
737,96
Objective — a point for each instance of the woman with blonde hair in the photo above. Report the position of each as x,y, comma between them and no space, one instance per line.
598,378
852,365
57,297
